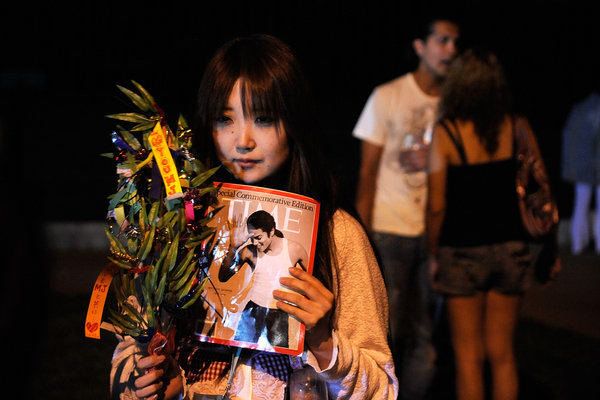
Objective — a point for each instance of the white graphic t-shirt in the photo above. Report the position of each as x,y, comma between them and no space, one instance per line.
398,115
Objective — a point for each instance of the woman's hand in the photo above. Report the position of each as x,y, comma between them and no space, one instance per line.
433,271
313,304
161,378
556,269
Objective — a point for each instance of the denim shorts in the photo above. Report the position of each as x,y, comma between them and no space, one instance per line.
504,268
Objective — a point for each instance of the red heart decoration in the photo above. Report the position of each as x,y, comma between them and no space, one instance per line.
91,327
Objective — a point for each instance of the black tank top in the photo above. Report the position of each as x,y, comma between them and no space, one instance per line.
481,202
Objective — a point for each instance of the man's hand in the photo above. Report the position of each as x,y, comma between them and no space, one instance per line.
239,233
413,160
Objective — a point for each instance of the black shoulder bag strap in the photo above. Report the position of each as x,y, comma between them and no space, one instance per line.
516,144
459,147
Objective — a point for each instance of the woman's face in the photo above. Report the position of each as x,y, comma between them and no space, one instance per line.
252,147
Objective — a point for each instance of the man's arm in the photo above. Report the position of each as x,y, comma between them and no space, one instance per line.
298,255
235,259
365,193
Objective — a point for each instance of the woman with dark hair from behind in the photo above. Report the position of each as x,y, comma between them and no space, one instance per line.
480,258
255,118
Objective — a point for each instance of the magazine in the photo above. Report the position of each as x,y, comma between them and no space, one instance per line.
260,234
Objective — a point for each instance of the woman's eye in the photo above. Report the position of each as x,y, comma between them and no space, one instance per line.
222,120
264,121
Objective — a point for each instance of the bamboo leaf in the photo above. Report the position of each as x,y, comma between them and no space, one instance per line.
166,219
122,321
130,117
144,126
181,277
146,245
182,124
179,270
133,313
139,101
150,280
160,263
119,289
153,212
201,178
133,245
176,285
145,94
198,239
143,215
131,164
172,254
149,311
150,315
134,319
129,138
114,242
119,263
160,293
185,289
206,190
195,296
116,198
124,330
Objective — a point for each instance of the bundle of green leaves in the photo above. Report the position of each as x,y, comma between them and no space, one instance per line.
162,245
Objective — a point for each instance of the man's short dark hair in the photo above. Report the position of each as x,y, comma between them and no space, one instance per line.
426,25
261,220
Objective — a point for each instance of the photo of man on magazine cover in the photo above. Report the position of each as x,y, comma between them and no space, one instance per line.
261,236
270,255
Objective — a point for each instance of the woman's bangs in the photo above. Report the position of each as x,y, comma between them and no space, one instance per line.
260,98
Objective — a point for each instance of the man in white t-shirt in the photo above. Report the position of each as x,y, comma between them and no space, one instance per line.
395,128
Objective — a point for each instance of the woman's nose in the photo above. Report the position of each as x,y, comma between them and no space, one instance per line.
245,140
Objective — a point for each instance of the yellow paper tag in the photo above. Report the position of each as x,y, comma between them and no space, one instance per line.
96,306
165,162
120,215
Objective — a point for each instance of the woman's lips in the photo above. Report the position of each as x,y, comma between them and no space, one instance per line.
246,163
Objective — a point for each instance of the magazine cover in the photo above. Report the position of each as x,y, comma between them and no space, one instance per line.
260,234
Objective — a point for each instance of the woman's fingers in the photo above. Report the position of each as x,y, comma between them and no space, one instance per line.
150,383
310,300
306,284
151,361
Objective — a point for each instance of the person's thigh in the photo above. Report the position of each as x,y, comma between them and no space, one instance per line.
465,319
501,319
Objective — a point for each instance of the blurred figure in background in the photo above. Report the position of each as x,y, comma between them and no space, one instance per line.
478,246
395,130
581,167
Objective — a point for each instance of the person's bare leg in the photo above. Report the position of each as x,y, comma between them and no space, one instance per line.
465,315
501,315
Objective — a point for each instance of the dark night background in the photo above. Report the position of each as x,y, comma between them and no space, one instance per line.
60,62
